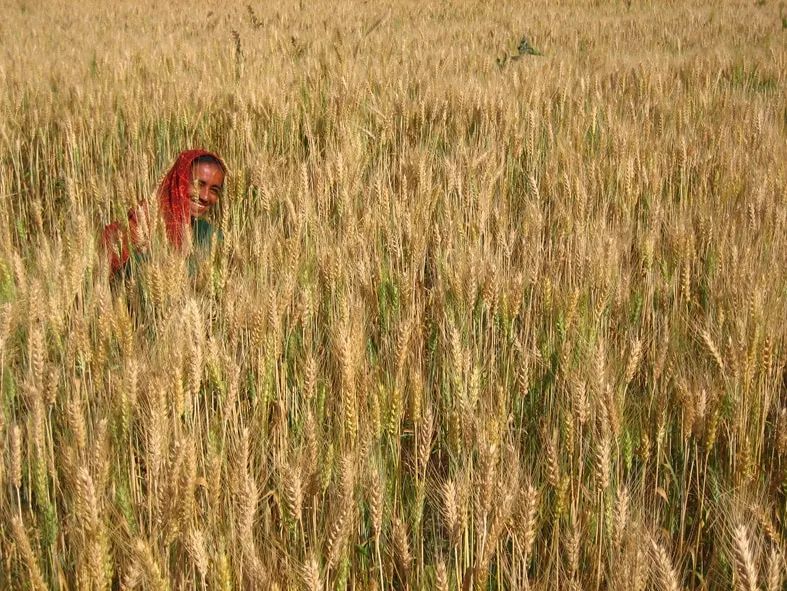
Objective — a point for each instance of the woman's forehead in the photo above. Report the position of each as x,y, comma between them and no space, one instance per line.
207,168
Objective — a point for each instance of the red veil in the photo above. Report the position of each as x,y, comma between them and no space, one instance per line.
174,207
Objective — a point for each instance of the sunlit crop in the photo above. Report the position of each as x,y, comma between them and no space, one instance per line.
501,299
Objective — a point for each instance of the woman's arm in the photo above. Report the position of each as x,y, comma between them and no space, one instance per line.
116,240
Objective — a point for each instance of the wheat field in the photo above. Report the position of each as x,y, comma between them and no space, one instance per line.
479,320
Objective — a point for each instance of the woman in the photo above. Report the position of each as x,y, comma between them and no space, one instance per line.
188,192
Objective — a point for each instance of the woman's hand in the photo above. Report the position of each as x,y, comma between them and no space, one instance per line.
140,229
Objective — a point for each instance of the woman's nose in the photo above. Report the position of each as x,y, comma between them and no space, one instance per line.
206,196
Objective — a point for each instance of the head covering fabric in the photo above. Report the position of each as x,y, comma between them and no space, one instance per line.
174,208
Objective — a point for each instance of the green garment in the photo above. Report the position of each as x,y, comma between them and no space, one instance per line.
202,235
202,232
133,278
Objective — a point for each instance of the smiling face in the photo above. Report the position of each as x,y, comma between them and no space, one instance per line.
206,189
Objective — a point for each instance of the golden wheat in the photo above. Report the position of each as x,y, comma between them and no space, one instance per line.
475,318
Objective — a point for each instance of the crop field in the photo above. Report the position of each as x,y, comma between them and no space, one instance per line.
500,300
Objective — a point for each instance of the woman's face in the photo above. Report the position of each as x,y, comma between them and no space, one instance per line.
206,189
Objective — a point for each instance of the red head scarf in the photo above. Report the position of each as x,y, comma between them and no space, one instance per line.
174,207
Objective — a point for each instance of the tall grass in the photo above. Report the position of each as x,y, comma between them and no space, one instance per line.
470,325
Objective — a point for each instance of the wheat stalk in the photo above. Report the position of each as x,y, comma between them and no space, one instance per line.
775,570
743,555
664,572
29,557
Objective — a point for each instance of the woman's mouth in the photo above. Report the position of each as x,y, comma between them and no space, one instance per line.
199,207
